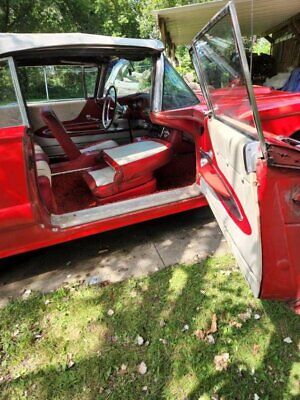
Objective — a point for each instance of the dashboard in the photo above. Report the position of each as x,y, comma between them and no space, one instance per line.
138,105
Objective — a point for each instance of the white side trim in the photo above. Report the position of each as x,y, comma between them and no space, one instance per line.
43,169
125,207
107,144
38,149
103,176
135,151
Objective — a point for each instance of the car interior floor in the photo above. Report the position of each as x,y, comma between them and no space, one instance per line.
72,193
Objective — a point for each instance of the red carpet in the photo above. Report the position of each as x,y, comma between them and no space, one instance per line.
72,194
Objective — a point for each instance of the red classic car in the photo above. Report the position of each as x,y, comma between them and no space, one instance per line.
98,133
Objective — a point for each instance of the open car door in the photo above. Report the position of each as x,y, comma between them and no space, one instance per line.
234,170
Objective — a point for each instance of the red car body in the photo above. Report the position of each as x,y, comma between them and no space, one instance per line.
26,224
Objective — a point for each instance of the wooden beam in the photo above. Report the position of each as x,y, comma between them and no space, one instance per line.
163,30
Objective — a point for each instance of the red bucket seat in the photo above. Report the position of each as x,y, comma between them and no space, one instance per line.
78,158
129,169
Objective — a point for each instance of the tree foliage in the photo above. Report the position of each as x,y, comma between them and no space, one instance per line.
131,18
127,18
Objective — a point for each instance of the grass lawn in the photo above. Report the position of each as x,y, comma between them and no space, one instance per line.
81,342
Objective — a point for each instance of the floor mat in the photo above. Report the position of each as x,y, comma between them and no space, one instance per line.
71,193
179,172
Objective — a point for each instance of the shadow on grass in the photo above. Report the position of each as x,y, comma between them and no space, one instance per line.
179,365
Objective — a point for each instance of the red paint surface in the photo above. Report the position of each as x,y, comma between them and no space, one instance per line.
25,223
15,203
280,230
34,236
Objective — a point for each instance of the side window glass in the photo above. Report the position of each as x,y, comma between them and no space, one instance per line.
64,82
130,77
176,93
224,73
10,114
55,82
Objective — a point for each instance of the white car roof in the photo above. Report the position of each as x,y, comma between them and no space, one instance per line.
12,43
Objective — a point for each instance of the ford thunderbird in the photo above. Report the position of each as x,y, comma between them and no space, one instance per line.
100,132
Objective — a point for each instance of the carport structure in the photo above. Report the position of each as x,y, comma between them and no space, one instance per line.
277,20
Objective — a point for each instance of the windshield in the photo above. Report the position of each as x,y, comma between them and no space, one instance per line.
221,66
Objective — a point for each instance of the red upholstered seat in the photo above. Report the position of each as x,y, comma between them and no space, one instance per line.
129,167
79,158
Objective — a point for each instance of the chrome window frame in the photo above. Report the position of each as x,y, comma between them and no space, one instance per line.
157,86
19,96
230,10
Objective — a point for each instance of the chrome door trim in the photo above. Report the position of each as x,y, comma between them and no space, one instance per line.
158,84
230,10
18,92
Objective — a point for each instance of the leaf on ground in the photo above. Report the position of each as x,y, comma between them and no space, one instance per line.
16,333
163,341
256,348
235,324
70,361
246,315
123,369
139,340
288,340
221,361
210,339
202,334
142,368
213,326
26,294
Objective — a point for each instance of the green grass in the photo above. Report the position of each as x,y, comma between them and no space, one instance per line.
39,342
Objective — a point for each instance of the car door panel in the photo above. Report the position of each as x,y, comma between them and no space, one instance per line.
15,202
262,178
228,154
232,128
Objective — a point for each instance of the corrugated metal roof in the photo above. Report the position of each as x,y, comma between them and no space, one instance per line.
11,43
184,22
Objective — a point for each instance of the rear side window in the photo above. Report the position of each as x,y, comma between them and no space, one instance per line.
10,114
56,82
176,93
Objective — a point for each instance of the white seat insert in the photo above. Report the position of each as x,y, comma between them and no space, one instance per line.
42,166
135,151
107,144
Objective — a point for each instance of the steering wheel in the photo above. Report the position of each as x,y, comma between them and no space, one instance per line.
109,107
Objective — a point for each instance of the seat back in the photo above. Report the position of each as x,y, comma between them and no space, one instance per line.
60,133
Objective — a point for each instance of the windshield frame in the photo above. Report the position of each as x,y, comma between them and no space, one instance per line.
229,10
